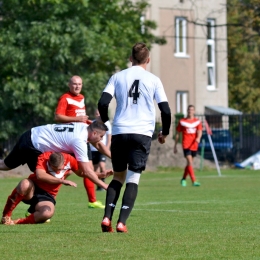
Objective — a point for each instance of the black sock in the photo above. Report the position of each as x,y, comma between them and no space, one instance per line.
113,192
128,201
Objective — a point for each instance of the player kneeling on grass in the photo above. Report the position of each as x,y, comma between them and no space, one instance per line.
40,189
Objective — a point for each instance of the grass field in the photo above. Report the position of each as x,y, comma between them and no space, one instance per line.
219,220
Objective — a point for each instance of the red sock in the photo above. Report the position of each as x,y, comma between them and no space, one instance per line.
12,202
185,173
191,173
27,220
90,188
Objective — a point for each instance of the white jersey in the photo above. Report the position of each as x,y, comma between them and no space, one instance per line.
104,139
135,89
66,138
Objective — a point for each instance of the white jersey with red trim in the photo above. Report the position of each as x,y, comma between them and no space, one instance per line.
135,89
66,138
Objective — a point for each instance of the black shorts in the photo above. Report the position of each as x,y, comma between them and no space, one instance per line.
89,152
38,196
98,157
189,152
130,150
22,153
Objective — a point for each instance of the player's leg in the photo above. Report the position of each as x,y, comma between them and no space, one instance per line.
23,191
44,210
113,192
101,168
190,168
42,207
90,188
186,152
140,148
119,152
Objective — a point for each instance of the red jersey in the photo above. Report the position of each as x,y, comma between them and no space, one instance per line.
188,128
70,163
71,105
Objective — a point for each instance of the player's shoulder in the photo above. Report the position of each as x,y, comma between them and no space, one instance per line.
195,119
71,96
65,95
46,154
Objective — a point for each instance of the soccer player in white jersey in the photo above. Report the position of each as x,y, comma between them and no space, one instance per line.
135,90
67,138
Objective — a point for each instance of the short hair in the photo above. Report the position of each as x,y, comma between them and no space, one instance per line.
140,53
97,125
189,106
56,159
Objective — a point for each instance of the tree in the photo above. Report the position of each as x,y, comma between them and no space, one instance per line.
243,54
44,42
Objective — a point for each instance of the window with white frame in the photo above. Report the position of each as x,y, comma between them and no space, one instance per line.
211,64
180,36
181,102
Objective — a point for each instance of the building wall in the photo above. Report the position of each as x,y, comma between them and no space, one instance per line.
190,73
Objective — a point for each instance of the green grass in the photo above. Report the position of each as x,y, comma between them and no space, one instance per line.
219,220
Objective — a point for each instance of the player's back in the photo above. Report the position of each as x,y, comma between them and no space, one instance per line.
134,90
67,138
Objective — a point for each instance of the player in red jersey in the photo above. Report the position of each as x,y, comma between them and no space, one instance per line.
71,108
40,189
191,129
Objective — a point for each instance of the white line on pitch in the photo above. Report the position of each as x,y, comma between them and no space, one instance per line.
197,211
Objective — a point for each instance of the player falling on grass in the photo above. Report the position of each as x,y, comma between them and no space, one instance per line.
191,129
40,189
71,108
135,90
67,138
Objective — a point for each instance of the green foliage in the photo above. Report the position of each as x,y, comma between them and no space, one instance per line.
243,55
44,42
218,220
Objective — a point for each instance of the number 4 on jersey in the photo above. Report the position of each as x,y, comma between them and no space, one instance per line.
133,92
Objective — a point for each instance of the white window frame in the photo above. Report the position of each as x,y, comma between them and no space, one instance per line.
211,65
181,107
181,51
142,20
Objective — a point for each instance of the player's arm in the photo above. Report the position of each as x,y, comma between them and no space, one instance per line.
103,104
43,176
86,171
109,136
102,149
199,134
166,120
177,136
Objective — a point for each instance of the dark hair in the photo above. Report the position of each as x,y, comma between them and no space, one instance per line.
140,53
56,159
189,106
98,126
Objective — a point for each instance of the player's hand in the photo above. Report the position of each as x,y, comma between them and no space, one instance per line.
161,138
69,183
105,174
175,149
197,140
